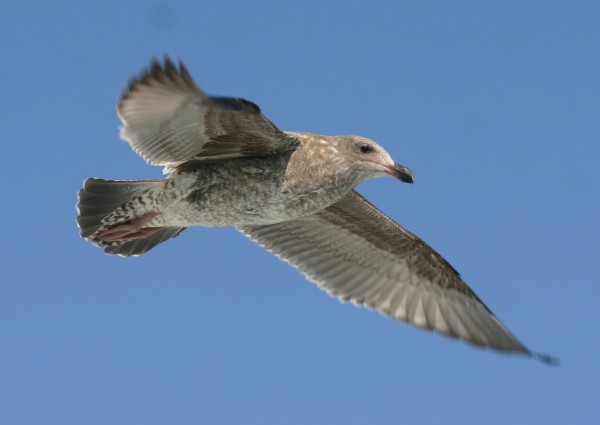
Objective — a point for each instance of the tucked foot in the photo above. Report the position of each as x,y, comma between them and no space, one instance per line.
133,229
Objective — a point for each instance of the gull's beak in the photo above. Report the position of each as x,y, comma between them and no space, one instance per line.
400,172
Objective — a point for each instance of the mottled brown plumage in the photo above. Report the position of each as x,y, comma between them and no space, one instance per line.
290,192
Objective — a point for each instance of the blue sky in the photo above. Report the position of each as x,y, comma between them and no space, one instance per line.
493,105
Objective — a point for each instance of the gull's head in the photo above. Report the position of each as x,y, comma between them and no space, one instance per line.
369,160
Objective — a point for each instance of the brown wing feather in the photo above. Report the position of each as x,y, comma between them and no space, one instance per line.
357,215
168,120
356,253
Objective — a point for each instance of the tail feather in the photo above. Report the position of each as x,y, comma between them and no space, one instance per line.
100,197
103,203
140,246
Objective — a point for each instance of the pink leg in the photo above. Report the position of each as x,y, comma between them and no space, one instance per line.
131,230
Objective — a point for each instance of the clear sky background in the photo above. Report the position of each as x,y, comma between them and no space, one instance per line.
495,106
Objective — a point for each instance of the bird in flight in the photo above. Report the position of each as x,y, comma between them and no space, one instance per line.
290,192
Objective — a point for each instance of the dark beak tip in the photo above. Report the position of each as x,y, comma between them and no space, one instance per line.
402,173
407,178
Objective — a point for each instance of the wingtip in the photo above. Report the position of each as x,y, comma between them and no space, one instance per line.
166,72
187,77
546,359
156,68
169,71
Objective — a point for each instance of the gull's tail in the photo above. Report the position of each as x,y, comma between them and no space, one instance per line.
113,215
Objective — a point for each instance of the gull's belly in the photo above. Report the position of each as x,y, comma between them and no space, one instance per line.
247,194
231,205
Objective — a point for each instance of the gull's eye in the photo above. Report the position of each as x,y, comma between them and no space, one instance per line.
364,148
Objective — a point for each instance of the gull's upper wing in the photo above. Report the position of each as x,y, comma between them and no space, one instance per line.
356,253
168,120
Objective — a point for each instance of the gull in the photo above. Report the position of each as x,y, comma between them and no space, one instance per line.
290,192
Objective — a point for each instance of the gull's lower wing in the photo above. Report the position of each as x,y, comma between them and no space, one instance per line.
356,253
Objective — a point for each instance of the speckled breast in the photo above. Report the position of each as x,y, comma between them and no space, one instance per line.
238,192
